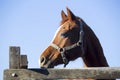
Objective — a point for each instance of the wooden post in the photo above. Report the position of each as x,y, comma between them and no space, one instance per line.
14,57
23,62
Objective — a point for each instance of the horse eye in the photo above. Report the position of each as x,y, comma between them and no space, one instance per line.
66,34
63,34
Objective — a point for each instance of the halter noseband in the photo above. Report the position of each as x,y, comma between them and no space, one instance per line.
64,49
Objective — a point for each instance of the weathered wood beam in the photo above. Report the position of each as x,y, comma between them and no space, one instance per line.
37,74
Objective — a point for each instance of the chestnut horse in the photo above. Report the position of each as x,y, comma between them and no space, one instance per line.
73,39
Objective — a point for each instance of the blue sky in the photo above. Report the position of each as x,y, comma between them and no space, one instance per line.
31,24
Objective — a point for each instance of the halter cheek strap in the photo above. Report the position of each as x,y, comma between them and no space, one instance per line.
64,49
62,52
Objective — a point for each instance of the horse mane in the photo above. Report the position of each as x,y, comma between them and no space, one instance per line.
94,56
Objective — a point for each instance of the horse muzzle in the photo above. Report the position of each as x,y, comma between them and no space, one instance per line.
44,63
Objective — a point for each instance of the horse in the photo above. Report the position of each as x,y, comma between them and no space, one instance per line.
73,39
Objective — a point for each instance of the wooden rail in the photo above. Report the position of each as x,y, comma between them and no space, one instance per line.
37,74
18,70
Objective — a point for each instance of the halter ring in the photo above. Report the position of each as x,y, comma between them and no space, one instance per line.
79,43
61,50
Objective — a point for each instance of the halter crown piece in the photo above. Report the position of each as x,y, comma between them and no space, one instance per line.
64,49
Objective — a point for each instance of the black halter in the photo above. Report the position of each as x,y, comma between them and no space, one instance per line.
64,49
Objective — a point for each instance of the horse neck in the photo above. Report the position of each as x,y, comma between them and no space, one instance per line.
94,56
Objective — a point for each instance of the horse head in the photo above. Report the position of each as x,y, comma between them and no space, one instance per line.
73,39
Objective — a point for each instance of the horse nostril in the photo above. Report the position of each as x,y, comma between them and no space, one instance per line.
43,60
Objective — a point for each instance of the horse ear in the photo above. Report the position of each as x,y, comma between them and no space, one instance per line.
63,15
71,16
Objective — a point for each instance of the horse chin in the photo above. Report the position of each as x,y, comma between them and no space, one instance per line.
47,66
50,64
